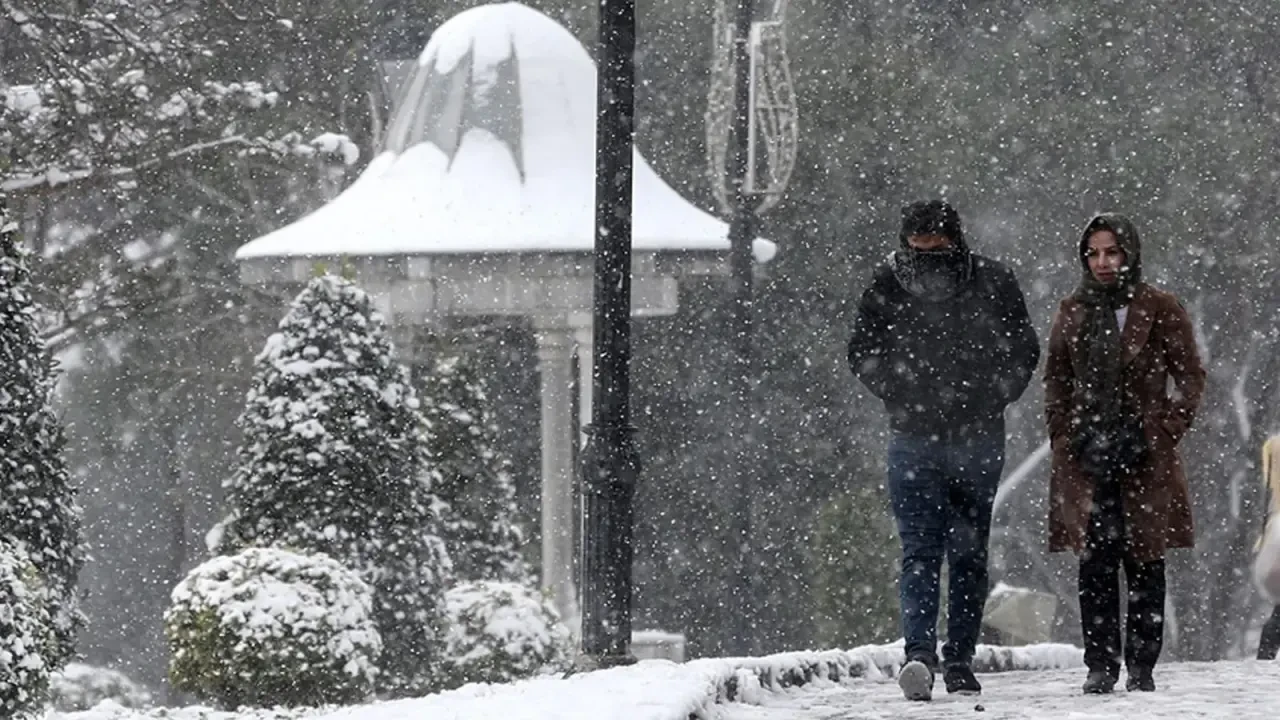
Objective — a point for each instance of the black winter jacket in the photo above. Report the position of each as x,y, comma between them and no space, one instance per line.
946,367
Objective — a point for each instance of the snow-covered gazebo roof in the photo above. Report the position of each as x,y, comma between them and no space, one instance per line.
491,149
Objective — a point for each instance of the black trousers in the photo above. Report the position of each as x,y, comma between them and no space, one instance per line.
1270,642
1106,552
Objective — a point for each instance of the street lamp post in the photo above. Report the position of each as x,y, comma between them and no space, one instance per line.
741,233
752,140
610,462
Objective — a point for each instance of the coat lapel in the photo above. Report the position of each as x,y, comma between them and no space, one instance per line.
1137,326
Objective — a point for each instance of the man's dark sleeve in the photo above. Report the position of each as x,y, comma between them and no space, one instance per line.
869,343
1024,346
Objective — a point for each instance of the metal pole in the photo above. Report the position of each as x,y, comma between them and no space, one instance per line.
610,464
741,234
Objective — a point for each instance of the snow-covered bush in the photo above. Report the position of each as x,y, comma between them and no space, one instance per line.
479,524
501,632
334,461
38,512
26,637
273,627
81,687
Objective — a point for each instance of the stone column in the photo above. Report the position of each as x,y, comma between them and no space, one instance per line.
583,341
555,366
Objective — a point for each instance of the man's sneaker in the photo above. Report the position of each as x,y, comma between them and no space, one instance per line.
916,680
959,680
1099,682
1140,680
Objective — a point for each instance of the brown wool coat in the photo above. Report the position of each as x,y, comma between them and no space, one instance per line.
1159,346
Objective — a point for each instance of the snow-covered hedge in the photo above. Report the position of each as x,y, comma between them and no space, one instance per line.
500,632
743,679
80,687
26,637
272,627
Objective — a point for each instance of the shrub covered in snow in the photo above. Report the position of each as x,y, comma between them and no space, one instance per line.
81,687
269,626
501,632
479,524
333,461
38,513
26,638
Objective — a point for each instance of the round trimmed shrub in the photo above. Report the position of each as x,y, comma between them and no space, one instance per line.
26,638
80,687
271,627
500,632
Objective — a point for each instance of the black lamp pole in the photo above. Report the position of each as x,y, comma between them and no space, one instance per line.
744,442
610,463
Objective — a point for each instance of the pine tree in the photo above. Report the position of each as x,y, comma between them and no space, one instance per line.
38,510
333,460
475,484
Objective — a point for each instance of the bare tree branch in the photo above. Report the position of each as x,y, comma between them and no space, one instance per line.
86,178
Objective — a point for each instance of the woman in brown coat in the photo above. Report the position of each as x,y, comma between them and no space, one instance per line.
1118,495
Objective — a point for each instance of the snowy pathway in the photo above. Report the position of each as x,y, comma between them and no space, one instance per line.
1246,690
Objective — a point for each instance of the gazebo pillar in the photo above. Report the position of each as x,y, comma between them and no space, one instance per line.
583,340
555,367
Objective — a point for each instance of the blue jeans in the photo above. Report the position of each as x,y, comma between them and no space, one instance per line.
942,492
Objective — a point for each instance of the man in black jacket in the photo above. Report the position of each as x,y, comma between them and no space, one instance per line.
942,336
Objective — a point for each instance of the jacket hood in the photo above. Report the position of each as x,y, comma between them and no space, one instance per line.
1126,237
925,217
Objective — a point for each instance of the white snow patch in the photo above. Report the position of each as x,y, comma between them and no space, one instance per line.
333,145
22,98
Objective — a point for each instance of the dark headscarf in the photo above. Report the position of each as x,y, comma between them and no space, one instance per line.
1099,336
932,274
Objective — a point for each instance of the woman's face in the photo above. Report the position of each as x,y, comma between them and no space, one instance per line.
1105,257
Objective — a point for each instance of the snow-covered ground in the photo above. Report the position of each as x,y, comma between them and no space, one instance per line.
830,685
1241,690
649,690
